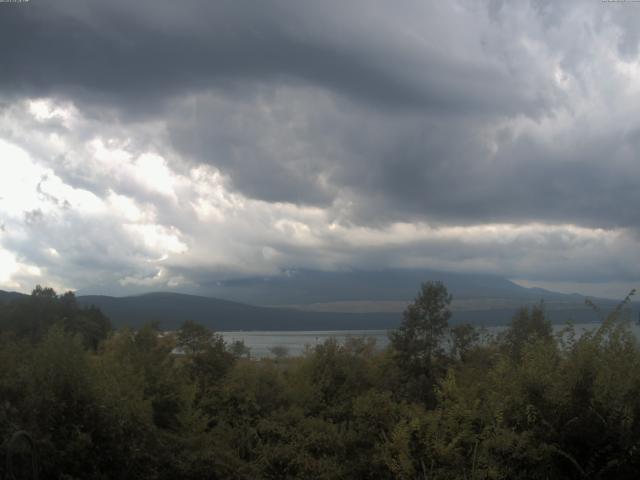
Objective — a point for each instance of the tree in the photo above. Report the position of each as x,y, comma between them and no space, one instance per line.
419,339
32,317
194,337
463,338
526,327
280,352
239,349
206,354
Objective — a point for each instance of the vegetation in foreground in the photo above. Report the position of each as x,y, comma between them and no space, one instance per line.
439,403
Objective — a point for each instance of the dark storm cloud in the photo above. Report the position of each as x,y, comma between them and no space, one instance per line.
591,182
380,111
136,54
394,167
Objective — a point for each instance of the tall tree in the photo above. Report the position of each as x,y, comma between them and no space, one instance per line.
527,325
206,354
418,341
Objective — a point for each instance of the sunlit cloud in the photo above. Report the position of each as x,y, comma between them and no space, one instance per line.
15,274
361,144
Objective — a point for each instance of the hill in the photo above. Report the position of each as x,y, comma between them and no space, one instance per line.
343,300
10,296
313,286
171,309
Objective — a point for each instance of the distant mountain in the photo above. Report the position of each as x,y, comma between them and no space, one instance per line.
6,297
347,300
312,286
171,309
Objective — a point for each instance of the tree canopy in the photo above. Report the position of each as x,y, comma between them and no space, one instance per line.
145,404
418,341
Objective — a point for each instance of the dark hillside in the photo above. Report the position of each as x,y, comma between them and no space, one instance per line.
172,309
311,286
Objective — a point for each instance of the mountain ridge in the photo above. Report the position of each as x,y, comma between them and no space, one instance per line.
314,286
350,300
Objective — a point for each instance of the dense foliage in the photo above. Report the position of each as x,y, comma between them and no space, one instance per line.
438,403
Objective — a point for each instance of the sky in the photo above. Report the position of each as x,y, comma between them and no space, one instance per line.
165,145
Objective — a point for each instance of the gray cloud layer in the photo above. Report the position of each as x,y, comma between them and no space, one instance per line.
376,113
371,51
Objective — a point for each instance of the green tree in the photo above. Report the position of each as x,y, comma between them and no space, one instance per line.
418,341
280,352
239,349
527,326
206,355
463,338
31,317
194,337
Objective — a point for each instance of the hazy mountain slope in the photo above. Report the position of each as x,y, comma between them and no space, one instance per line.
314,300
171,309
310,286
487,299
10,296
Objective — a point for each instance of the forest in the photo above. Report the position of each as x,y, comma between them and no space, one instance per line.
440,402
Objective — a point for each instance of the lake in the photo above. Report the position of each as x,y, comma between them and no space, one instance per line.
297,341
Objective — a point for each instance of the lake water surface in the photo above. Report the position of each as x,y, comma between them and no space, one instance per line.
297,341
